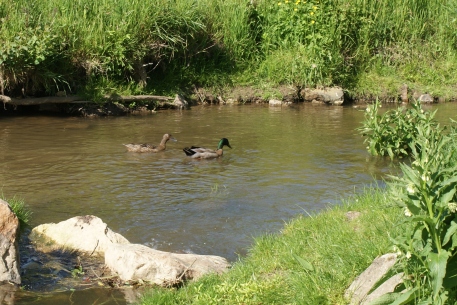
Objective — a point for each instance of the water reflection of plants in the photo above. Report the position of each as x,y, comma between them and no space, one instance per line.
217,190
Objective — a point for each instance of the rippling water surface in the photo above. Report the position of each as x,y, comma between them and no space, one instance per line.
285,161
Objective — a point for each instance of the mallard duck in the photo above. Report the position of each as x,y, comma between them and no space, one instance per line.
148,147
205,153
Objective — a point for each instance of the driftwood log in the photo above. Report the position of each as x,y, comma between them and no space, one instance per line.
77,99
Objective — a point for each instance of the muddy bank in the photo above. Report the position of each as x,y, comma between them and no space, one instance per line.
124,105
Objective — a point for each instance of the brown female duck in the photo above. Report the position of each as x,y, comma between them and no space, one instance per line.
145,147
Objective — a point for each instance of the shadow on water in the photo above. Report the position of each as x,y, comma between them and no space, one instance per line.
285,161
59,276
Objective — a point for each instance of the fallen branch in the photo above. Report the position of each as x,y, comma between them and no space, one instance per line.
130,98
41,100
74,99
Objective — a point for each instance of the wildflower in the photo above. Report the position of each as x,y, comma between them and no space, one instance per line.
452,207
311,13
312,21
279,3
410,189
368,109
295,9
408,255
425,178
408,213
396,250
314,7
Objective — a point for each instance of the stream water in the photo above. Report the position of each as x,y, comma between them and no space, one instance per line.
284,161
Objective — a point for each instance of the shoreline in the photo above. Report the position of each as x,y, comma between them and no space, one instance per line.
115,105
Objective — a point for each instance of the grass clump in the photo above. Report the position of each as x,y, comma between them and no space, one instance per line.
312,261
19,208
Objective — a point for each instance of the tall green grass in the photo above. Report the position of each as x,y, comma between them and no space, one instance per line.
165,45
311,261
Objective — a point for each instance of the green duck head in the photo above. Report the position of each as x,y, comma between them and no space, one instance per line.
223,142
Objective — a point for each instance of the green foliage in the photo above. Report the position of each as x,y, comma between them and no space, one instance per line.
77,271
427,194
19,208
395,132
177,45
303,34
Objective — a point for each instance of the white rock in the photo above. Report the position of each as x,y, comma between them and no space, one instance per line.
359,289
274,102
83,233
138,262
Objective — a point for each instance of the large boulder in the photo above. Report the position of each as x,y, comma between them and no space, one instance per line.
137,262
131,262
9,254
82,233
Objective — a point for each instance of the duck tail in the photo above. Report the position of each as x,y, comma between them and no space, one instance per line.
188,151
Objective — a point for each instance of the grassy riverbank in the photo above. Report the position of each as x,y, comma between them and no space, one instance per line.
94,48
311,261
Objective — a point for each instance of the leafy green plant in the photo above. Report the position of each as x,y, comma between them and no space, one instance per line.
393,132
427,194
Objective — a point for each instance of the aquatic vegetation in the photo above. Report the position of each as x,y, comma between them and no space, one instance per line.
394,132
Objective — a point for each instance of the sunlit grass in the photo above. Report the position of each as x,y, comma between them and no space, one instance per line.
73,45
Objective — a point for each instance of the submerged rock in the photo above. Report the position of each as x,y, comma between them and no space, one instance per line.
9,251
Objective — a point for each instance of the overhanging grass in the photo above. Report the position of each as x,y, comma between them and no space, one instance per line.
337,249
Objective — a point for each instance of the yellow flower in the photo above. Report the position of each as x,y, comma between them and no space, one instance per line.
295,9
312,21
312,13
279,3
314,7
